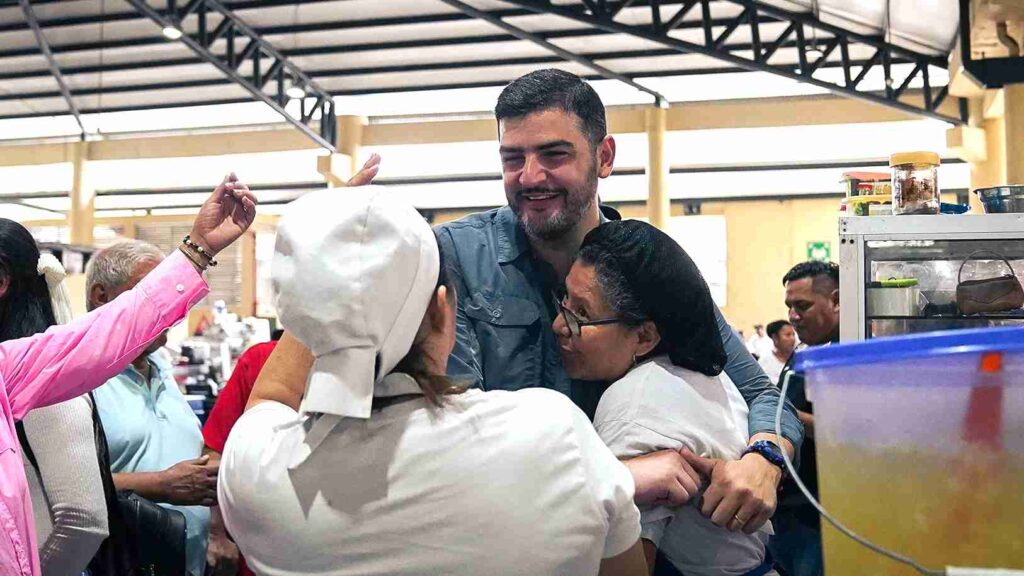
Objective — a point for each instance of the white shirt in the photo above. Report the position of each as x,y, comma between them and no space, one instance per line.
760,345
658,406
772,366
494,483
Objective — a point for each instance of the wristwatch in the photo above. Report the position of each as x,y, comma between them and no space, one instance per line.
770,451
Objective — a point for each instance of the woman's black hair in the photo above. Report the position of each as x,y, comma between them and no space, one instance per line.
645,275
25,308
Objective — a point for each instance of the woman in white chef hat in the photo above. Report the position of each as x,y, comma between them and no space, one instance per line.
387,467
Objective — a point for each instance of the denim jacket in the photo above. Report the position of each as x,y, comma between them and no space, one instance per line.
504,339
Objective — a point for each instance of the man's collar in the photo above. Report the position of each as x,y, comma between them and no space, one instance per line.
157,365
512,241
608,213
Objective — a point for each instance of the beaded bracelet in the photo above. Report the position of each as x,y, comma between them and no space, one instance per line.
187,241
193,257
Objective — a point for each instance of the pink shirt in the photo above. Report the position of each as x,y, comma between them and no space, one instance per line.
68,361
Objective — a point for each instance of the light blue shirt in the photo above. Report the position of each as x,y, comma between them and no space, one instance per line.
150,427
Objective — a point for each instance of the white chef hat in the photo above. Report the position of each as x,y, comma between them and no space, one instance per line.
353,273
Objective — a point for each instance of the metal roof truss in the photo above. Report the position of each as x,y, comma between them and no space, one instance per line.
813,53
269,68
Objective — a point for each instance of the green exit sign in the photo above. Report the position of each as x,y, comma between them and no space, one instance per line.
821,251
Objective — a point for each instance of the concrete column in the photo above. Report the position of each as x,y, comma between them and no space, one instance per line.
658,204
350,139
247,299
982,143
81,217
335,168
1014,139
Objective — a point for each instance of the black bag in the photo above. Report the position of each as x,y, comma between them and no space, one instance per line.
999,294
156,533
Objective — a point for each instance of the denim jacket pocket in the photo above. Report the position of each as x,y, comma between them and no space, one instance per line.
509,332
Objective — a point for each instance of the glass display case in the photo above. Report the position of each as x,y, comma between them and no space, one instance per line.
899,274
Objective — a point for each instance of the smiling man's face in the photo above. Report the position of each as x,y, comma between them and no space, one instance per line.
550,171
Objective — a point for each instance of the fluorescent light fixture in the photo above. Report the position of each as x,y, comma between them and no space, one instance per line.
295,91
172,33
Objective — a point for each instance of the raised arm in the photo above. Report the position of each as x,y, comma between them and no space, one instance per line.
283,378
758,390
69,360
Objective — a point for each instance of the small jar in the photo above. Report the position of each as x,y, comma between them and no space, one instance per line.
915,183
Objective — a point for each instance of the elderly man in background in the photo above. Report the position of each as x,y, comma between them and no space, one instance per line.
154,438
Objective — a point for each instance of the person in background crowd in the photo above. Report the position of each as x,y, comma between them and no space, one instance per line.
390,467
511,262
759,345
812,296
39,369
638,313
783,343
153,435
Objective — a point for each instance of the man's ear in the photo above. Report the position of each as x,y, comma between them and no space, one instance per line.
606,156
98,296
440,309
834,299
648,338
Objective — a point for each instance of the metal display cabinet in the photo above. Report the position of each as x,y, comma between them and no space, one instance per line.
930,249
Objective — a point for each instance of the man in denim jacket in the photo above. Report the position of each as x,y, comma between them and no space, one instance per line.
510,264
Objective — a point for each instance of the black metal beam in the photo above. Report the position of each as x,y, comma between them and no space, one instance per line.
44,47
365,91
753,12
256,48
521,34
430,66
111,17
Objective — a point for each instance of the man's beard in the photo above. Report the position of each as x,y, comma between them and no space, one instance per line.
577,203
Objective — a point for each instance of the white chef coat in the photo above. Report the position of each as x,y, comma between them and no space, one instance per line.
658,406
494,483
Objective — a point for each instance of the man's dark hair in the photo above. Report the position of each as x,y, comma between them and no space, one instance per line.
553,88
815,270
775,327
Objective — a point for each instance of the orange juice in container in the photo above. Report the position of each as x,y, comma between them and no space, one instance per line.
920,444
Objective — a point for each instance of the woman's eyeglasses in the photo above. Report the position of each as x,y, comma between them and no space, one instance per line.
576,325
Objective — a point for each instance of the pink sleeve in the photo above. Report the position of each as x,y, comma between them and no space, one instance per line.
69,360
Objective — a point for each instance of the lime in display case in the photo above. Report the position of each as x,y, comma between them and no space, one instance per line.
898,274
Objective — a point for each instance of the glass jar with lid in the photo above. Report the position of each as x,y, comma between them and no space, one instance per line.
915,183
